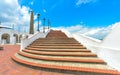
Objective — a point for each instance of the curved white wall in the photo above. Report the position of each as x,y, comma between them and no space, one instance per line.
113,38
108,49
91,43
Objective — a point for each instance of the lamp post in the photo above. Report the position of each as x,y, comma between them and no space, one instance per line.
13,26
44,25
38,16
48,24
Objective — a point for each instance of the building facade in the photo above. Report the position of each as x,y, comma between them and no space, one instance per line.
10,36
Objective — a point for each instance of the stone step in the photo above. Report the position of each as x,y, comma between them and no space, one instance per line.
97,61
58,47
56,35
81,67
54,43
59,50
70,38
43,44
56,39
60,56
82,54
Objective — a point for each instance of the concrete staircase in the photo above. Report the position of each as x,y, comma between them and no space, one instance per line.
57,51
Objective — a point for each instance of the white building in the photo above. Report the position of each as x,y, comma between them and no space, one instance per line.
10,36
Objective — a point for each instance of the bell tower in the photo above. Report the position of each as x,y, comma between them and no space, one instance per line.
31,31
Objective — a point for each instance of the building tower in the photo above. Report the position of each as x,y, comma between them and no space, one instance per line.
31,31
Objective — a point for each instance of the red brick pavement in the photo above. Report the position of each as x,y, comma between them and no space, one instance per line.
9,67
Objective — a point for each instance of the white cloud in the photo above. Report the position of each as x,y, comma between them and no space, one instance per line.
98,33
74,29
12,13
44,10
55,4
31,3
80,2
36,25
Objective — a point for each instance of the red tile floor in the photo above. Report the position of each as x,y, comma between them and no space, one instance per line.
9,67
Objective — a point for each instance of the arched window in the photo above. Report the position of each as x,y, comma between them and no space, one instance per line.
16,36
6,37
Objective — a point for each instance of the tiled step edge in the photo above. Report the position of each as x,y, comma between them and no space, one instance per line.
69,68
59,47
61,59
52,50
56,44
58,54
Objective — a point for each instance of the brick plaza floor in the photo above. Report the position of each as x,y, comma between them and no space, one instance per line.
9,67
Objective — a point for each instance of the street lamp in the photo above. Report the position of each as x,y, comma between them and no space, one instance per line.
48,24
44,25
13,26
38,16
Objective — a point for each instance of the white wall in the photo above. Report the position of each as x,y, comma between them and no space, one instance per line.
91,43
111,56
88,42
11,33
113,38
108,49
27,41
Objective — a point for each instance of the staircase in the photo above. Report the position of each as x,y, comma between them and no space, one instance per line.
58,52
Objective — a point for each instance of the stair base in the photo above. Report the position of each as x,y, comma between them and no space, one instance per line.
79,70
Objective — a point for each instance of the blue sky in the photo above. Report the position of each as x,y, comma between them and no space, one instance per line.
91,13
94,18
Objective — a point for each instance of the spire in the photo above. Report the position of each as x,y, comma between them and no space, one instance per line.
31,31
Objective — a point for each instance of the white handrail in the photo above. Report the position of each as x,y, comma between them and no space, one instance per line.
27,41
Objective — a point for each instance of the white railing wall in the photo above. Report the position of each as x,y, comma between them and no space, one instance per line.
88,42
110,47
110,55
27,41
107,49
